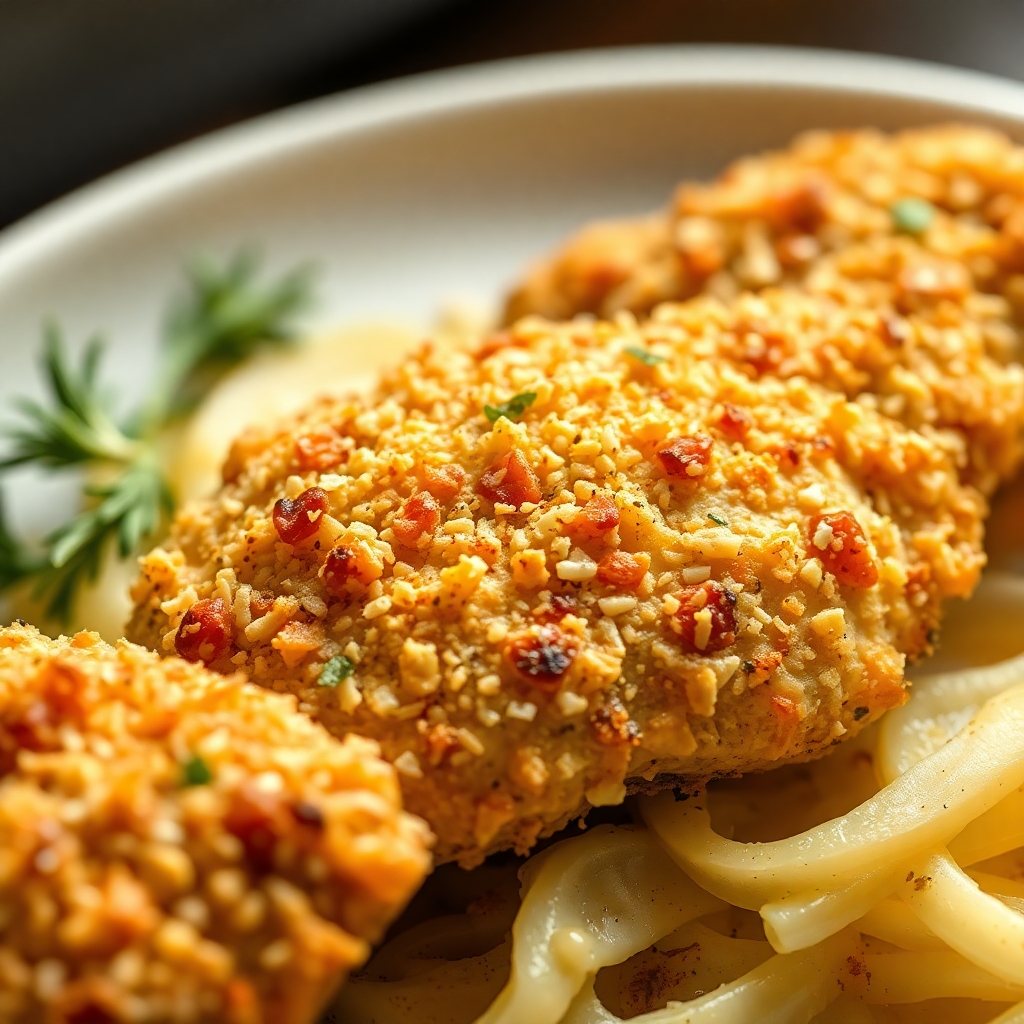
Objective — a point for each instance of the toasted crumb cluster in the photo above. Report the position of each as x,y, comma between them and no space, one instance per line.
657,563
179,846
925,227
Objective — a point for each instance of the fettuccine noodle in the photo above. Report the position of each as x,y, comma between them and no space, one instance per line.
913,895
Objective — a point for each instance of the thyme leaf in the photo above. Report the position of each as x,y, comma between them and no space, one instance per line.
221,319
513,408
645,356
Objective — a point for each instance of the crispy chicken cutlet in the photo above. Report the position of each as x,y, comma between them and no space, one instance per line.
925,228
588,557
179,846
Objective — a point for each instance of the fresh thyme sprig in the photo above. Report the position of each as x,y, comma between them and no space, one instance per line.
77,428
222,318
217,323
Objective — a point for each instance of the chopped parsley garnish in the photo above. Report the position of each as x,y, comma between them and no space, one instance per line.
912,215
513,408
196,772
718,519
337,669
645,357
222,318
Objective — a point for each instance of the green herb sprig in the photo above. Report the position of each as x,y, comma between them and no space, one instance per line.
222,317
645,356
513,408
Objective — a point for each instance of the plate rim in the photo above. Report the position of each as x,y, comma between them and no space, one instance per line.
123,194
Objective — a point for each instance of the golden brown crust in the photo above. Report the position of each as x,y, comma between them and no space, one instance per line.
668,565
825,216
181,846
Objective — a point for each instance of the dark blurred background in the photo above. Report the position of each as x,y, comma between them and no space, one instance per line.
87,86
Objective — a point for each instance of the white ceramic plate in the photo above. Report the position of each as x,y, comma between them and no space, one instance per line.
446,184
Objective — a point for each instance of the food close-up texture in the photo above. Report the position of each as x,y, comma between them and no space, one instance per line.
596,556
692,512
181,846
925,226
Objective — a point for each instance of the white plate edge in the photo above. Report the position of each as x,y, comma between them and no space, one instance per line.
123,194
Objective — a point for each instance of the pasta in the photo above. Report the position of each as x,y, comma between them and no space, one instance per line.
911,897
926,806
589,904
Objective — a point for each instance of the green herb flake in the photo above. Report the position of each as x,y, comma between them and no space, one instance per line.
912,215
717,519
337,669
645,357
512,409
196,772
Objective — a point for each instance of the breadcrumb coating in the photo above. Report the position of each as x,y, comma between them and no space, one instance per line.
179,846
925,227
654,564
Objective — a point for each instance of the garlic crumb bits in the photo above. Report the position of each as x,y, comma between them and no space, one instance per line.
626,576
919,232
181,847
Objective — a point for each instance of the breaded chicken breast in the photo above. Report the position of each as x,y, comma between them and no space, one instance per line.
179,846
924,228
585,558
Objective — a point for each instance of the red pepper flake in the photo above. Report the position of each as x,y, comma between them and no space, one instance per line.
686,457
594,521
543,658
205,632
787,455
34,724
510,480
257,818
735,421
348,562
837,539
622,570
320,450
444,482
613,726
720,602
419,516
297,520
801,207
764,350
32,728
